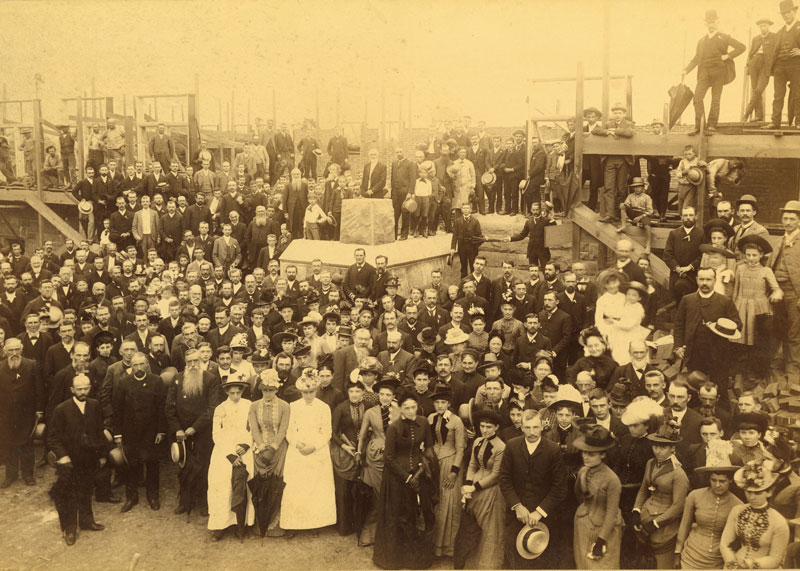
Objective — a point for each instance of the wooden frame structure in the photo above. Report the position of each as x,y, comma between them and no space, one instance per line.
144,122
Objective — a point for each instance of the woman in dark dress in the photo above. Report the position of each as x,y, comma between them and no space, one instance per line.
597,359
345,424
408,489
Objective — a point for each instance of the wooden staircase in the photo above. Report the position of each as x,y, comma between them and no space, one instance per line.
31,198
587,220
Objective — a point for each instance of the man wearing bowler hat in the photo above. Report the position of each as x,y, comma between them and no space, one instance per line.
762,51
746,210
785,263
615,167
784,65
533,481
714,62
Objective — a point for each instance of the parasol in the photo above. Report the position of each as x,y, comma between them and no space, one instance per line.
267,494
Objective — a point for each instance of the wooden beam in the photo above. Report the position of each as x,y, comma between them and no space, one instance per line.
38,160
756,145
608,237
42,209
606,90
577,160
587,78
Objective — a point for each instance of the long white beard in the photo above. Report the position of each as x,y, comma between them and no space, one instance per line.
192,382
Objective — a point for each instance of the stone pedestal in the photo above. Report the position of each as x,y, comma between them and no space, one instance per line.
412,260
367,221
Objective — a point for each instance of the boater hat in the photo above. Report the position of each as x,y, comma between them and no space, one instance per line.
488,178
532,541
178,453
726,328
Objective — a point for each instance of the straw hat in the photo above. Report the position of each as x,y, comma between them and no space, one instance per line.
455,336
726,328
178,453
532,541
755,476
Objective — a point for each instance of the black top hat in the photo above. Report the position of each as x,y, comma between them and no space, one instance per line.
595,438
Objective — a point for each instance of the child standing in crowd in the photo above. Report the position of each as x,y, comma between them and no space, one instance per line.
718,256
687,192
313,218
755,287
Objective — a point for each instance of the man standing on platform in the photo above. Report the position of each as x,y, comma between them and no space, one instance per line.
513,172
714,63
467,238
538,252
615,167
403,181
785,67
762,53
373,180
162,149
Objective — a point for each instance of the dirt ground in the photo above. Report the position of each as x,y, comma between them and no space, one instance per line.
31,538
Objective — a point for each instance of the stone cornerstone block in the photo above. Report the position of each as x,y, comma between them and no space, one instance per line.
367,221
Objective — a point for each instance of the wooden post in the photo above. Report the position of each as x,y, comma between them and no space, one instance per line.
80,134
382,134
746,82
316,102
338,106
233,110
37,159
94,101
606,57
219,121
576,242
191,117
702,154
666,118
109,106
629,96
274,108
248,114
197,90
124,104
130,148
577,163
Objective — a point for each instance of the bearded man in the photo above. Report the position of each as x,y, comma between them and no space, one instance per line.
189,409
20,409
255,236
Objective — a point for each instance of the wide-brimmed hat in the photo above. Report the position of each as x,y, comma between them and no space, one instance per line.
452,170
640,411
637,181
239,343
495,362
567,395
621,394
718,223
757,419
311,318
331,315
667,433
764,21
619,106
523,184
279,338
711,249
387,382
85,207
178,453
443,394
307,382
761,242
756,475
488,178
718,457
696,379
487,415
695,175
38,430
237,382
344,331
428,336
455,336
532,541
595,438
791,206
594,110
726,328
638,286
747,199
117,456
656,122
269,379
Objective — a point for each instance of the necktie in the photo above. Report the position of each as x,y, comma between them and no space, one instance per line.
385,417
441,428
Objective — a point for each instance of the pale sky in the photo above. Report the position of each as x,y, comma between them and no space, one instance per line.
473,57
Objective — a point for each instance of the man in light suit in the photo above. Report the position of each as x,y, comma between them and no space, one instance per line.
373,180
146,227
533,481
395,359
349,357
785,262
226,251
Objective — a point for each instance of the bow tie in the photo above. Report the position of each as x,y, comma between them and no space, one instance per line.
34,339
687,238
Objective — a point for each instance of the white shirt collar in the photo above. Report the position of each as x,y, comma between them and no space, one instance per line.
81,405
532,447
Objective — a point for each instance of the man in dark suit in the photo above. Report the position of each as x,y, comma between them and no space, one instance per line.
395,359
538,252
682,255
337,147
359,281
373,179
75,435
708,401
224,332
633,373
141,336
481,158
284,146
536,175
529,345
21,406
467,238
533,481
197,213
432,315
696,343
783,63
403,181
156,181
189,411
688,419
714,62
615,167
35,342
574,303
139,426
58,355
557,325
104,189
513,168
762,52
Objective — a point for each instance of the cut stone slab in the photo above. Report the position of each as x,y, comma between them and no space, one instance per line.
367,221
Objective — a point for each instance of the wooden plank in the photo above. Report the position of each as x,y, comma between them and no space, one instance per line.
586,218
42,209
559,235
729,146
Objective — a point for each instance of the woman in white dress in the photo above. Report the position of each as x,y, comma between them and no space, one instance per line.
233,447
627,326
309,500
608,308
